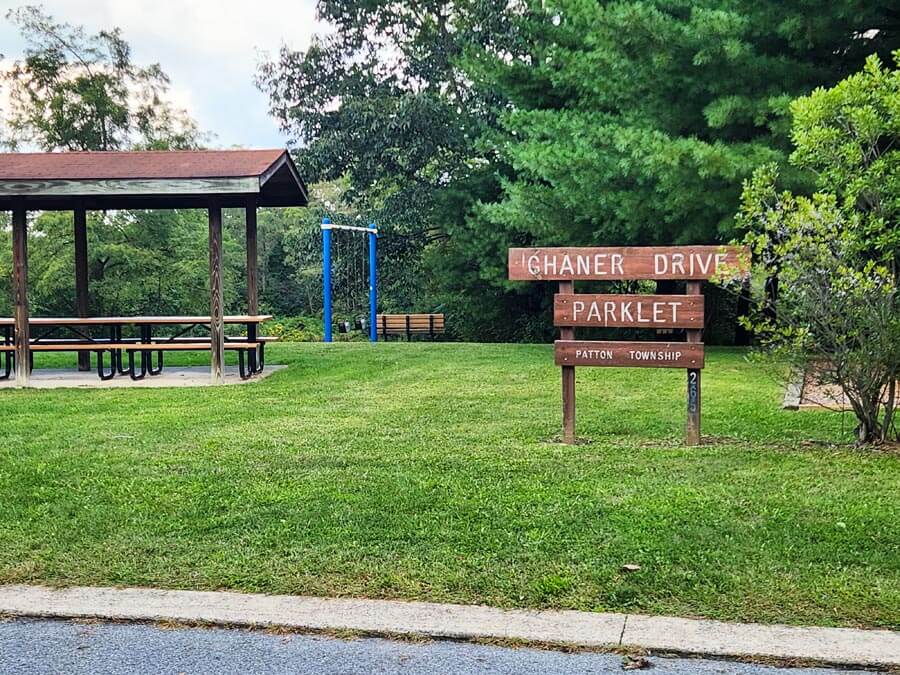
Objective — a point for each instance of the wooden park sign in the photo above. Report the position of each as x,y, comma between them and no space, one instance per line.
628,311
625,263
693,264
629,354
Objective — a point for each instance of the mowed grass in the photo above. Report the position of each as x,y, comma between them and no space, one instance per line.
432,471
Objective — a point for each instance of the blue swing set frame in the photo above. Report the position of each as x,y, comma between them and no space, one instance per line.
372,233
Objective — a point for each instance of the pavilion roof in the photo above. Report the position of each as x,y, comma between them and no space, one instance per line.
149,179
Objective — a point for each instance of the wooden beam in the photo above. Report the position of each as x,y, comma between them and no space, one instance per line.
628,311
630,262
252,259
568,375
81,278
628,354
216,296
20,294
139,186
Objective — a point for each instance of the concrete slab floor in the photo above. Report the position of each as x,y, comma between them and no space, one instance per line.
189,376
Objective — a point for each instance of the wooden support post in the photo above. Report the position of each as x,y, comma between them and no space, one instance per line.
693,436
568,376
216,297
20,293
252,259
81,279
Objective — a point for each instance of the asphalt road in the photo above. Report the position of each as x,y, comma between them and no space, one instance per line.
45,646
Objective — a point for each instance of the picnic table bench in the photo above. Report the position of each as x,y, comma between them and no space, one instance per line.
410,324
250,349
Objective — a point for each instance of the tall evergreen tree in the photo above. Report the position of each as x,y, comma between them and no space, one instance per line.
636,122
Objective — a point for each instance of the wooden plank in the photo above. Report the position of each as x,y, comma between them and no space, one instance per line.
144,346
216,297
694,336
628,311
133,320
401,324
121,187
628,263
401,321
20,294
81,277
252,258
411,316
411,331
629,354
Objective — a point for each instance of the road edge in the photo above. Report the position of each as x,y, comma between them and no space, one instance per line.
586,630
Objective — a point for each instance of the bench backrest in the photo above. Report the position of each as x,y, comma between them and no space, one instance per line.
404,324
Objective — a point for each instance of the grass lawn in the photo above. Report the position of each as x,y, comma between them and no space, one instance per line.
430,471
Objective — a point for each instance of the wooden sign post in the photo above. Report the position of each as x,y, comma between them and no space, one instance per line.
693,264
694,336
568,374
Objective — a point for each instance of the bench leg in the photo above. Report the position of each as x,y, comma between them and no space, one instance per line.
159,363
131,371
252,360
7,356
115,335
242,366
261,358
101,371
119,362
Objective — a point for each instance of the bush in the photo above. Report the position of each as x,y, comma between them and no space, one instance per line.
832,260
296,329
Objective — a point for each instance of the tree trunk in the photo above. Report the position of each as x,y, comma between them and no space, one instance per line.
771,292
889,407
742,334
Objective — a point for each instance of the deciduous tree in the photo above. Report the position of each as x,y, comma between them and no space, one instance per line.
79,91
836,254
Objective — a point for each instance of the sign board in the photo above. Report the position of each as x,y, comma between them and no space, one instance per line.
629,354
629,263
693,264
628,311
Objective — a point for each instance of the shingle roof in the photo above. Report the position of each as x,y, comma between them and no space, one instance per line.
158,179
136,165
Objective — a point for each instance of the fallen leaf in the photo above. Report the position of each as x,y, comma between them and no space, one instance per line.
630,567
635,663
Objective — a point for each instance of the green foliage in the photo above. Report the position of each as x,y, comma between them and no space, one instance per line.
849,135
835,254
140,262
635,122
75,91
383,101
296,329
470,127
654,112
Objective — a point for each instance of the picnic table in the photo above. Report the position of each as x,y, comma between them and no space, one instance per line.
45,337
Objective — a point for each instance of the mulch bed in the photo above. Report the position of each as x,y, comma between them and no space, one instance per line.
814,395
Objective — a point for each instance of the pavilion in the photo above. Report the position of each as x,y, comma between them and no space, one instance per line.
100,181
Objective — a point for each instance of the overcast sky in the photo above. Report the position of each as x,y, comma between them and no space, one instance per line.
209,48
